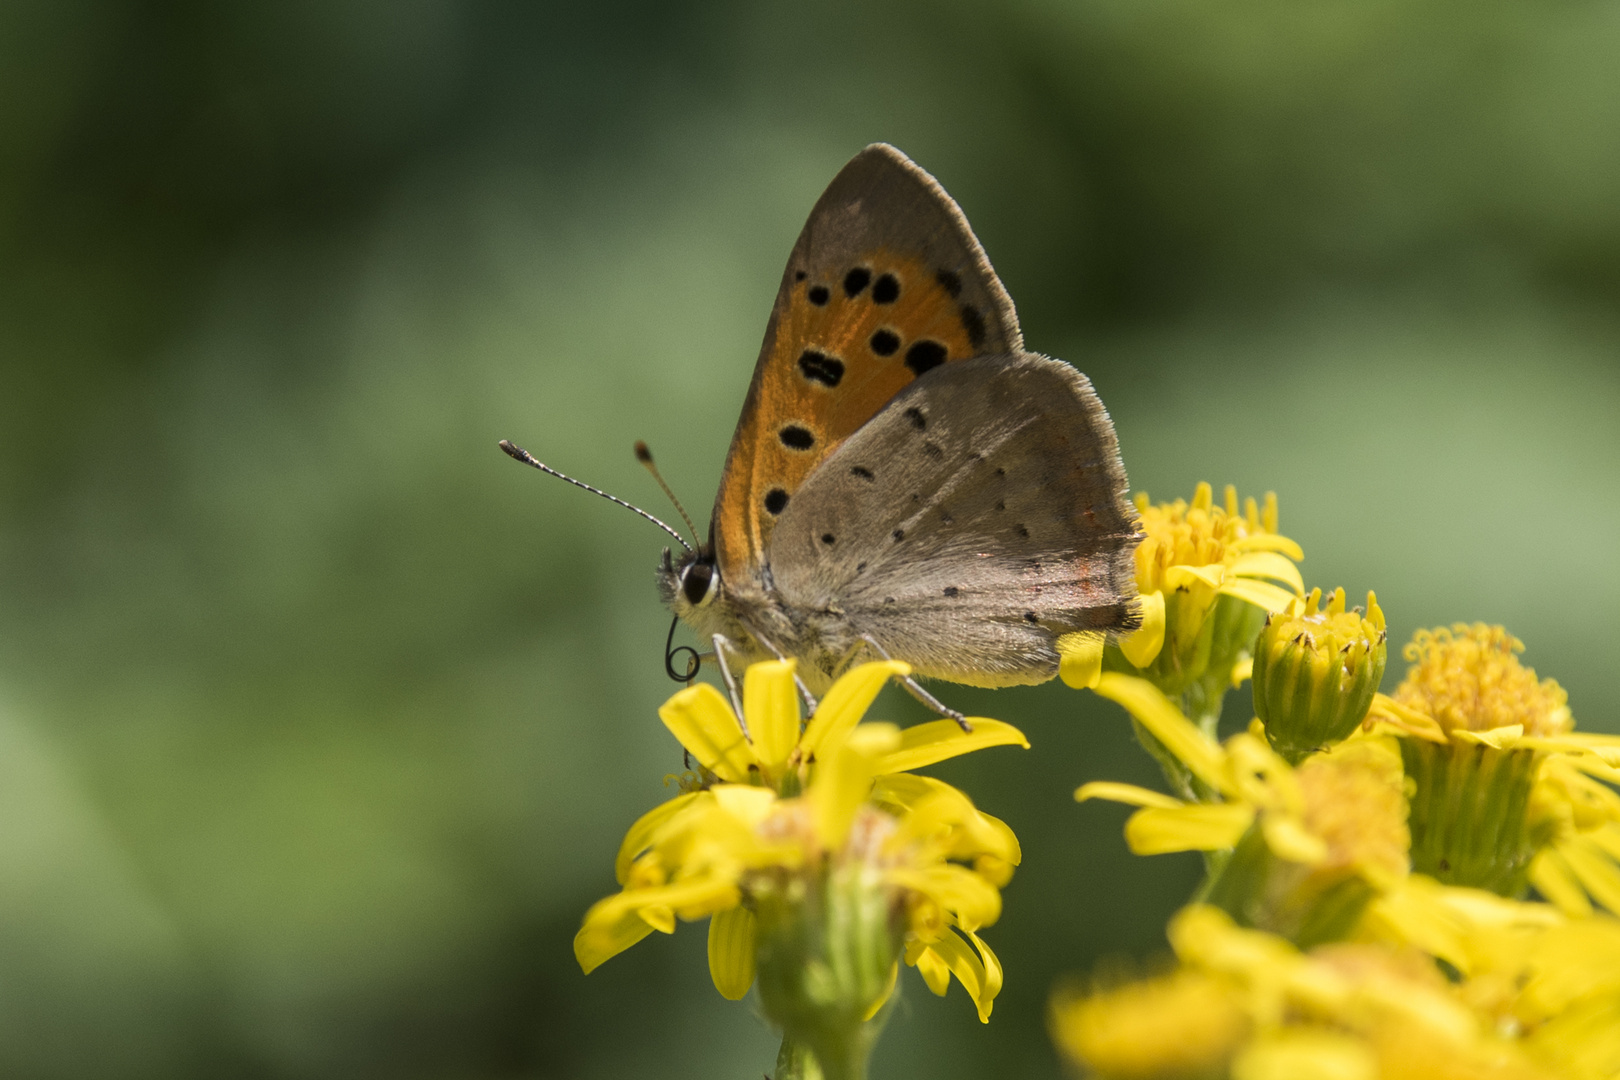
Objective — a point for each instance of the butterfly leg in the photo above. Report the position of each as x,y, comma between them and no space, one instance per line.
915,688
720,647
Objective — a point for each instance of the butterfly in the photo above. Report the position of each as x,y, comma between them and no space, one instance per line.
906,481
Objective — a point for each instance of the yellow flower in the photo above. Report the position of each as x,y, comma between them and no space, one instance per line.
790,829
1469,679
1312,844
1505,791
1206,575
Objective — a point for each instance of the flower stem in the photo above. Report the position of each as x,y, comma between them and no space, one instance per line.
795,1062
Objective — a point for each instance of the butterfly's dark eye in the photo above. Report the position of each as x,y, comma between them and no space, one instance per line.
699,583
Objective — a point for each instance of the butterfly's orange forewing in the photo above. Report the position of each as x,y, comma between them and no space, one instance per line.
886,282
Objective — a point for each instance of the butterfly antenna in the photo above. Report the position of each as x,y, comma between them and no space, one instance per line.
528,459
644,456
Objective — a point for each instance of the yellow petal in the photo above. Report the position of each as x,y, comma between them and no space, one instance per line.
846,701
1193,827
731,952
932,808
1141,646
1242,671
640,834
706,726
1406,721
1413,913
1183,576
1268,564
1288,839
843,779
1125,793
1501,738
1178,734
935,971
1553,878
973,900
614,923
660,917
745,802
604,939
994,976
968,969
924,744
1306,1055
1597,873
1207,937
1269,542
1080,658
771,706
1259,593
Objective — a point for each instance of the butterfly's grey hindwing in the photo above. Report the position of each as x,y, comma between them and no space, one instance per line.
977,517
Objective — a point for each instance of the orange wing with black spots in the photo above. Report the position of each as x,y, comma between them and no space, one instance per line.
886,282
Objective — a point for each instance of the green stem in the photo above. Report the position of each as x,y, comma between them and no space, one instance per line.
795,1062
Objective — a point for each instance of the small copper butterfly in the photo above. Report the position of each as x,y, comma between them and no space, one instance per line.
905,480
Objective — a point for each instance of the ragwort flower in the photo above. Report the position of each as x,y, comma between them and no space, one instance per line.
820,861
1309,845
1207,575
1505,791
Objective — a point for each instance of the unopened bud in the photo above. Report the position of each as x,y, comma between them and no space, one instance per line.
1315,672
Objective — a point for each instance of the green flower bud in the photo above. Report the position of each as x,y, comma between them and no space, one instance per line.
1315,672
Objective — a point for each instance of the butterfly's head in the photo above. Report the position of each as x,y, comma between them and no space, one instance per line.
690,582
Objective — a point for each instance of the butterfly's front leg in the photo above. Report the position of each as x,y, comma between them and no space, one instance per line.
721,644
915,688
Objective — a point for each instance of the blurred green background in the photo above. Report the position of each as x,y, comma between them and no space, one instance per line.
320,720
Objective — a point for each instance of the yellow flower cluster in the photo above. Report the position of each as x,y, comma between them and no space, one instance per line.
1367,856
1539,1000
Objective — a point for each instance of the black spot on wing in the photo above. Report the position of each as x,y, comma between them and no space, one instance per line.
795,437
821,368
925,355
915,415
899,534
863,472
973,323
798,275
952,590
829,539
932,449
857,280
885,342
819,295
776,500
950,281
1029,616
1022,531
887,289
